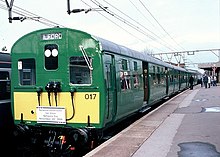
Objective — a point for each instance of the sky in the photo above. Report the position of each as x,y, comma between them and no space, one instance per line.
155,26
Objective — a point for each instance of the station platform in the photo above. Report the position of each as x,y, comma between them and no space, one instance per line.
188,125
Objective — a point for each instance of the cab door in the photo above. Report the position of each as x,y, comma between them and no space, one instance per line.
110,83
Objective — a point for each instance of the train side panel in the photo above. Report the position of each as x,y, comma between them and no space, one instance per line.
5,75
128,87
157,85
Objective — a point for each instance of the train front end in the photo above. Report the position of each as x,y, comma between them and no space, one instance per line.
55,98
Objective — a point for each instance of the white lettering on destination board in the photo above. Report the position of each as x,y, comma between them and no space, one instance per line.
51,36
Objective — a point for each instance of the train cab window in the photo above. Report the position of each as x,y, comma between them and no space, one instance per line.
51,56
27,75
80,72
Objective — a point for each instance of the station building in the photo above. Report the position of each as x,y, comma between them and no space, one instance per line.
211,69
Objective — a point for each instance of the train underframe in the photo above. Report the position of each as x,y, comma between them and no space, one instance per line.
60,141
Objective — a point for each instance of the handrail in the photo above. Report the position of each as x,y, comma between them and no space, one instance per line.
85,57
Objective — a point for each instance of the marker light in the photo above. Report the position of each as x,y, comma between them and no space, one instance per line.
54,52
47,53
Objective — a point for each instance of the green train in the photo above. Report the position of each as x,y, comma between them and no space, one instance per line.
69,86
5,74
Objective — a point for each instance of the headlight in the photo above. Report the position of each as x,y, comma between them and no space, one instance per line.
54,52
47,53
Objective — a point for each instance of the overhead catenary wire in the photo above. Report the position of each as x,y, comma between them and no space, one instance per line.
145,17
29,15
115,23
137,28
160,24
153,34
180,55
153,26
121,26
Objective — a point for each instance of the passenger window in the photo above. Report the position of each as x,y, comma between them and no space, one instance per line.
107,59
27,71
108,75
136,80
125,75
136,75
158,78
124,64
135,66
125,80
155,81
80,73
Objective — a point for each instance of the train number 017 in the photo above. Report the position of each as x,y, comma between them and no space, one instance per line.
90,96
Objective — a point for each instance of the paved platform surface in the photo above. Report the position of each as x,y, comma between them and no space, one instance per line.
188,125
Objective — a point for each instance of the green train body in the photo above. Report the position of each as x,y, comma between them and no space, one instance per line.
69,86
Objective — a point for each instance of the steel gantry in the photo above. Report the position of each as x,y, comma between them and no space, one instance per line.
180,55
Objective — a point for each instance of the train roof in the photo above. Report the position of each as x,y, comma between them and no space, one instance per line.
109,46
122,50
194,71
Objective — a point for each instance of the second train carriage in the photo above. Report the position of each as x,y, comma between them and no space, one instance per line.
68,86
5,74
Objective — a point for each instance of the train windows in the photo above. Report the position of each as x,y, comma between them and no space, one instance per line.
124,64
4,85
51,56
80,73
136,75
108,70
154,69
125,75
135,66
136,80
125,80
163,76
171,78
27,75
158,79
158,69
154,78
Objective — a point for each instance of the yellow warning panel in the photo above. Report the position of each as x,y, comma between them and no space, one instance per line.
84,104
